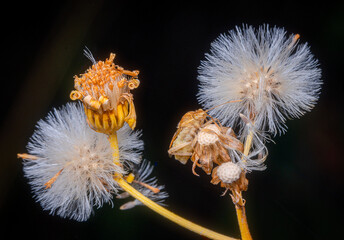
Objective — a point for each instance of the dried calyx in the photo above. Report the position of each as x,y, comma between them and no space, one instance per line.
187,129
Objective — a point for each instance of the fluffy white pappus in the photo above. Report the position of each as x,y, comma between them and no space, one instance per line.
130,147
275,77
76,160
142,174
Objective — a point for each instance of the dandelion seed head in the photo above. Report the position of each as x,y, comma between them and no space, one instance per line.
275,77
73,167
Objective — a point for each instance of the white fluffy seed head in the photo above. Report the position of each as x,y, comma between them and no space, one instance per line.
206,138
274,78
64,141
228,172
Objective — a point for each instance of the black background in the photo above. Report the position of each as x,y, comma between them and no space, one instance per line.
299,196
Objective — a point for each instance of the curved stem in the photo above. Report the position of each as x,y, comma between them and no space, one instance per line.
170,215
156,207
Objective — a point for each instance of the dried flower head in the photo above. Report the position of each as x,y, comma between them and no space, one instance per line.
273,76
70,167
231,176
146,185
105,91
205,141
213,144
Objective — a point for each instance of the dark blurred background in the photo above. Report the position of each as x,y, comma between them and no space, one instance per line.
299,196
